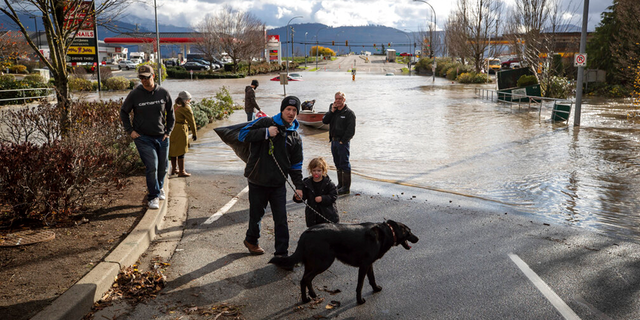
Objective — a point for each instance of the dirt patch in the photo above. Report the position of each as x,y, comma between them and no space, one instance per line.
32,276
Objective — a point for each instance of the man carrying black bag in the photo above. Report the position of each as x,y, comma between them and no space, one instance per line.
276,153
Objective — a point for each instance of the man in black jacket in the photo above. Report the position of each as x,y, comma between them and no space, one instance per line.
272,139
342,128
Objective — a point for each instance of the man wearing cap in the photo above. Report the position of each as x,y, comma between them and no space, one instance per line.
153,120
250,104
342,127
272,139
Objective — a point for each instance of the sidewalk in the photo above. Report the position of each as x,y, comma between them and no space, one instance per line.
76,302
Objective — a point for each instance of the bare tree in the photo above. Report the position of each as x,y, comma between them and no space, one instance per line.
62,19
472,23
533,30
239,34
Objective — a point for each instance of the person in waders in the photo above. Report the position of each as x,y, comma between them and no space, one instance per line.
342,128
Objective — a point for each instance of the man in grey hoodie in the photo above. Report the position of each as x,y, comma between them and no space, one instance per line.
153,120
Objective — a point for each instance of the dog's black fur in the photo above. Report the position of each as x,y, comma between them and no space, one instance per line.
357,245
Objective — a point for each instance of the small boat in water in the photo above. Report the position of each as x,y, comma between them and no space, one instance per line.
309,117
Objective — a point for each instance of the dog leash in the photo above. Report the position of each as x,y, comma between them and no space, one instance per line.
271,148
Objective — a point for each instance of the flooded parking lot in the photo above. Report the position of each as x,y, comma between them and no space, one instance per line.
440,136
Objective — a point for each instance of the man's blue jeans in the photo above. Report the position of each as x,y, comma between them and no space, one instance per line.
259,196
341,153
153,152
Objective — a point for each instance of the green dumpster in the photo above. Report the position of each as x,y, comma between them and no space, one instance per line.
561,112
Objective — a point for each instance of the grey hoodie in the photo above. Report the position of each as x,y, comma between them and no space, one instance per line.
152,111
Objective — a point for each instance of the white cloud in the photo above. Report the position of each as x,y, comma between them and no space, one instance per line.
402,14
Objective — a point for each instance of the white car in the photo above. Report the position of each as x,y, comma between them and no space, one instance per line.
126,64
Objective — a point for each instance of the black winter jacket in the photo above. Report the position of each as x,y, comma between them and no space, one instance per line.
261,169
327,207
342,124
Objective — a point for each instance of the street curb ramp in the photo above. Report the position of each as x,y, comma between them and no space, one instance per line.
77,301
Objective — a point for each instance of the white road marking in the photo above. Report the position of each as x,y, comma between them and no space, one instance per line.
555,300
226,207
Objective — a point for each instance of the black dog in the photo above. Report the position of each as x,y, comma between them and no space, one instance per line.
357,245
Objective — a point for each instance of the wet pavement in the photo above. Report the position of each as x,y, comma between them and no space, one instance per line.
441,136
518,217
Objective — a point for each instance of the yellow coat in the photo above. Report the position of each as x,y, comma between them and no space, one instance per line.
179,139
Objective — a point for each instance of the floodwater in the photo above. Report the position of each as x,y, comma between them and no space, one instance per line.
440,136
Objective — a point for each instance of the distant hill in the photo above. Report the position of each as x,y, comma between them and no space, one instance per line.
360,38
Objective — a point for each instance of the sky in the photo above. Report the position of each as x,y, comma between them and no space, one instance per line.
401,14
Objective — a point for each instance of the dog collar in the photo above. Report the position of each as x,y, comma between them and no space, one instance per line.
395,240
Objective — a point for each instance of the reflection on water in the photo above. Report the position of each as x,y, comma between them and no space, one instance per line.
440,136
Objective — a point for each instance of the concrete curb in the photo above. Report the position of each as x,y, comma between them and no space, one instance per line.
76,302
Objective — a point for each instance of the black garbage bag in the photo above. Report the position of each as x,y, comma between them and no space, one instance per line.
229,135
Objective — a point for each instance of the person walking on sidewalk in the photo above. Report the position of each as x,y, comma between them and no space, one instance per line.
250,104
276,152
320,193
179,145
342,128
153,120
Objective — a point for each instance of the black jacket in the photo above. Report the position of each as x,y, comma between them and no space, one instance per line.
327,207
342,124
261,169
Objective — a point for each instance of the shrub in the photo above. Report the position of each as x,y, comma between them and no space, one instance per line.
105,74
557,87
34,78
452,73
472,77
80,84
526,80
8,83
18,68
117,83
79,70
7,78
209,109
48,179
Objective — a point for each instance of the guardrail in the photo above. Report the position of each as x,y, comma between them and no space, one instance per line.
21,96
515,98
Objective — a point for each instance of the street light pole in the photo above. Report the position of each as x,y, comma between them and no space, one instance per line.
159,79
435,26
305,49
409,45
288,40
317,46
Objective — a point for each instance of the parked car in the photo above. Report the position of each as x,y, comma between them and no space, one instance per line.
192,65
289,78
170,63
510,64
295,76
126,64
406,54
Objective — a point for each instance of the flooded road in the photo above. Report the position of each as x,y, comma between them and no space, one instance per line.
440,136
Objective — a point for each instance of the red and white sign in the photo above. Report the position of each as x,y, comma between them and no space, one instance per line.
274,38
85,34
580,60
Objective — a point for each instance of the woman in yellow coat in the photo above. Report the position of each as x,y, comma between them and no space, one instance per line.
179,139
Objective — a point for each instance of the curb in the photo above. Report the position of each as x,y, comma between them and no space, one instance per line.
77,301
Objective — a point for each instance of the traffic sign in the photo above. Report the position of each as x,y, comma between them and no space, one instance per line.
580,60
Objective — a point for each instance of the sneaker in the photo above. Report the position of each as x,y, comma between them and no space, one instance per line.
154,204
162,195
253,248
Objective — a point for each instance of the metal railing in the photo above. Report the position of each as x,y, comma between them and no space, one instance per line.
520,99
20,96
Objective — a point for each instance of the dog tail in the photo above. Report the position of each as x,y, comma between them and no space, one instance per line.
290,261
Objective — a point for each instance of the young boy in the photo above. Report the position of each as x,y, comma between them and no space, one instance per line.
320,193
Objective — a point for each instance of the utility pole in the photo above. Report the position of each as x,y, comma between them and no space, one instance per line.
583,49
